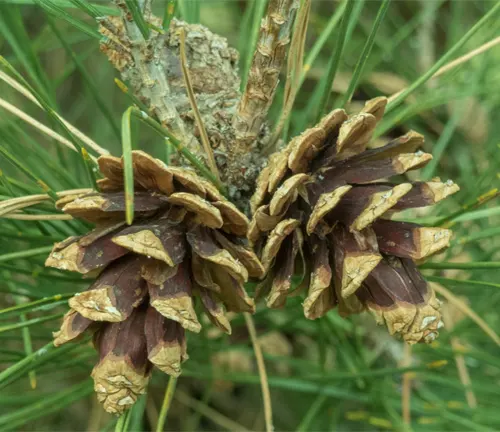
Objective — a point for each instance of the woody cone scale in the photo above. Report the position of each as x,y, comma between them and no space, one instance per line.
321,222
322,212
187,241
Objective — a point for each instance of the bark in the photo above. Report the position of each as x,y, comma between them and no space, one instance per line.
234,123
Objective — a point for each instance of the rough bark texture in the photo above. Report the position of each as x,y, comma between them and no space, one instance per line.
265,69
235,123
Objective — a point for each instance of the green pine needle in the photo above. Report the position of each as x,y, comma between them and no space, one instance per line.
138,17
327,82
128,168
365,54
333,373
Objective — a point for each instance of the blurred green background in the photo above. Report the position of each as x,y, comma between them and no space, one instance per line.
329,374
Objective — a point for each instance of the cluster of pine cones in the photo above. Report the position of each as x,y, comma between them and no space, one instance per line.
320,225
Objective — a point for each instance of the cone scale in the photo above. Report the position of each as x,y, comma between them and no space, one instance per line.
328,188
186,246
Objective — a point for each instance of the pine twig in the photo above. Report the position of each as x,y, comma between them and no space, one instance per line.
150,76
265,69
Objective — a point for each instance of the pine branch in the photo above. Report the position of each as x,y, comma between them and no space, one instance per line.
265,69
152,69
149,77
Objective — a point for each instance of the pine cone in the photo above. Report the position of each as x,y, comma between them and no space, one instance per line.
187,240
321,209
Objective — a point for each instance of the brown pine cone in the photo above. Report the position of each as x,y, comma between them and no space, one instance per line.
321,209
187,240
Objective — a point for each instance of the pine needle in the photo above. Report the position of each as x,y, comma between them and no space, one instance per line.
169,14
13,204
79,134
463,372
126,91
194,107
365,54
266,394
335,60
215,416
457,62
294,70
167,401
36,124
406,390
179,146
443,60
128,168
138,17
41,217
467,310
123,421
25,254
